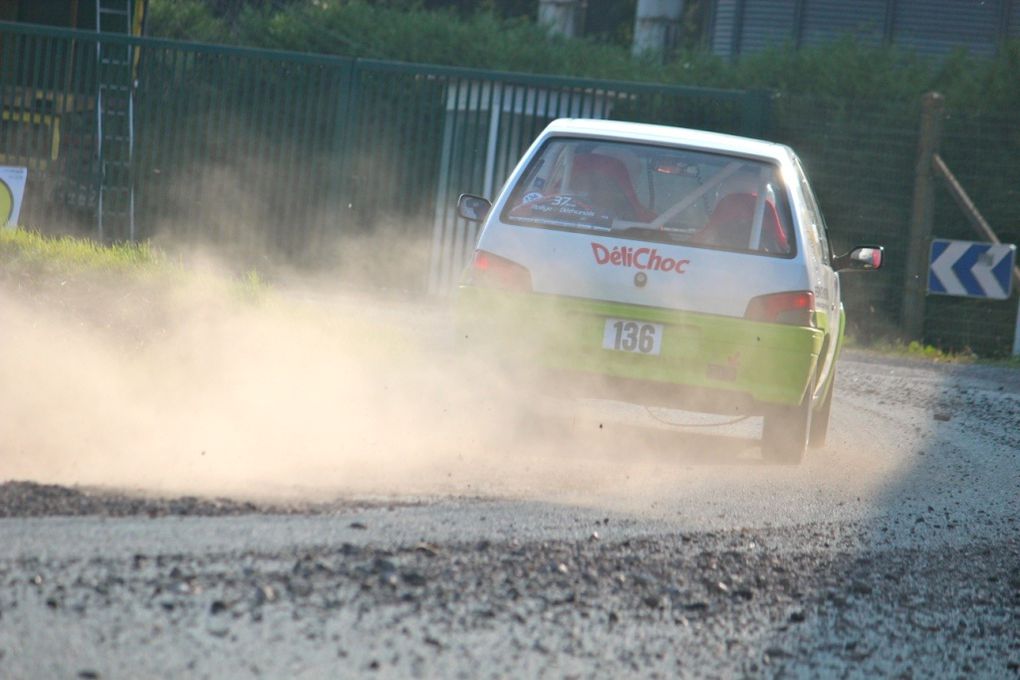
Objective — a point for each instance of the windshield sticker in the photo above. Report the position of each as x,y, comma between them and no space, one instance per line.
531,197
560,209
639,258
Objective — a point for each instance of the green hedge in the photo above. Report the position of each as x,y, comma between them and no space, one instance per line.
402,30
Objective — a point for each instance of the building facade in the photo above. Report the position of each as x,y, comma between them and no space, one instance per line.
929,27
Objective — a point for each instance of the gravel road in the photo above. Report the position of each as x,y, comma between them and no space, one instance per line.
893,552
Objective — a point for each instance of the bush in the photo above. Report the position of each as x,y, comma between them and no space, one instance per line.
185,20
403,30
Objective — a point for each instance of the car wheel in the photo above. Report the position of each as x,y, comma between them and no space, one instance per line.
785,432
820,420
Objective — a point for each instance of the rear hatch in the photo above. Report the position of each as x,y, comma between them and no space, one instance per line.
651,263
640,272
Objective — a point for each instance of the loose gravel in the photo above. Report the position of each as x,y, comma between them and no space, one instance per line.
894,553
28,499
716,604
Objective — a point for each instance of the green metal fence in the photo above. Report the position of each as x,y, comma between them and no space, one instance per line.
284,152
983,151
296,155
860,156
241,147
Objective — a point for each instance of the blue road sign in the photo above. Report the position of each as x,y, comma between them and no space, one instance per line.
969,269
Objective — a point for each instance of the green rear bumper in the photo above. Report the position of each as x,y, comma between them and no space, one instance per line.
704,358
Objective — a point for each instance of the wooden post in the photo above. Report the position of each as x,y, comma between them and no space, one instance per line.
1016,331
981,226
922,217
968,208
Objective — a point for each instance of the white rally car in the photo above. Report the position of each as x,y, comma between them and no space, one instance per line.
665,266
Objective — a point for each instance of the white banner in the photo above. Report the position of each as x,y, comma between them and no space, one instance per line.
12,189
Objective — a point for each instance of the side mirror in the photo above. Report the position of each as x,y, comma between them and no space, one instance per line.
861,259
473,208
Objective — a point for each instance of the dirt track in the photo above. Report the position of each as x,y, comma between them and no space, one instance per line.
895,551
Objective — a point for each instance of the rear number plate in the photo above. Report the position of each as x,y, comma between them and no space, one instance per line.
632,336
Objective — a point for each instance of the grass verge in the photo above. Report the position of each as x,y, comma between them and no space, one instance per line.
30,253
32,257
925,352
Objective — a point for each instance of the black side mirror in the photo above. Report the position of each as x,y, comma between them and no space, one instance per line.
473,208
861,259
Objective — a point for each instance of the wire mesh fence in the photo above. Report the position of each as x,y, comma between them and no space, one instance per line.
265,151
295,155
860,156
48,94
983,151
243,148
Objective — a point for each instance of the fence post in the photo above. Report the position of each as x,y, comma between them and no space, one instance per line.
922,216
345,129
1016,330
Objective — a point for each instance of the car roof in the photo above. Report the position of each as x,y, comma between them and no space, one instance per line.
664,134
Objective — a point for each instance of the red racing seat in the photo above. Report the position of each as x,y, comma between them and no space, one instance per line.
608,187
729,225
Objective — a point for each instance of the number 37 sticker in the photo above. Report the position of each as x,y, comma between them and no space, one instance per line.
632,336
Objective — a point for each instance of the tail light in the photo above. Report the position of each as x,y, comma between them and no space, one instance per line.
796,308
492,271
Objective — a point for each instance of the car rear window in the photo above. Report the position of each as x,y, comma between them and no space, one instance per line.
655,193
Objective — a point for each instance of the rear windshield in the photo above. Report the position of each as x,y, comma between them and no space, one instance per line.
654,193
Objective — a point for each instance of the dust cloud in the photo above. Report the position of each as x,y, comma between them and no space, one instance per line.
178,383
182,386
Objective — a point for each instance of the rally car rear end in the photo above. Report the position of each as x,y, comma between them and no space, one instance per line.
646,354
660,266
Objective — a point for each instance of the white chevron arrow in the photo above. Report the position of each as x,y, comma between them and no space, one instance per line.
982,271
943,267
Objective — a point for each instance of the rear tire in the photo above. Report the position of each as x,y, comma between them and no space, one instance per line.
785,432
820,420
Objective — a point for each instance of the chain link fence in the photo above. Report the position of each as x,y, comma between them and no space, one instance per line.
298,155
263,151
860,157
983,152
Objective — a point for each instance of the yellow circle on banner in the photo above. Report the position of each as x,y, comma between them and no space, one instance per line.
6,203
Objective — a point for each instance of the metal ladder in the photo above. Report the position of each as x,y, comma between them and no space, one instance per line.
115,135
